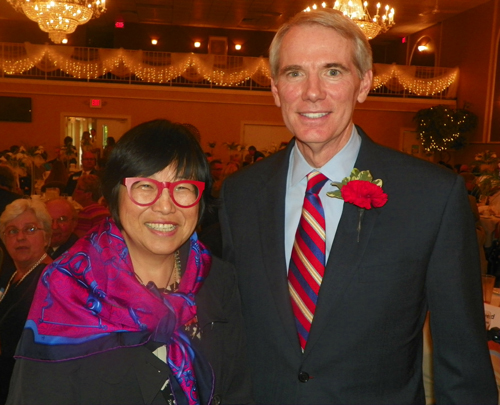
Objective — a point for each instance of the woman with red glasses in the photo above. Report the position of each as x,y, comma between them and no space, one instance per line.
138,312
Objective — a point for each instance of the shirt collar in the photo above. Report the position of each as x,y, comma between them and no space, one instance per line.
335,169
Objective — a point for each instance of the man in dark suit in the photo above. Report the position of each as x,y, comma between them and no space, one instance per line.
88,167
386,266
64,220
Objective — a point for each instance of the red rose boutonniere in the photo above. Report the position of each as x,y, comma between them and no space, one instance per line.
361,190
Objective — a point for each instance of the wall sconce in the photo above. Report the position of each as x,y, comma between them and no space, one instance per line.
65,40
424,44
197,44
154,41
237,47
422,48
423,52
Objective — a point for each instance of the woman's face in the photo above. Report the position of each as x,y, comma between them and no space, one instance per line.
24,248
160,228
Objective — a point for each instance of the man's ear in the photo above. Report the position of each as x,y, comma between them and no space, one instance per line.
365,86
274,90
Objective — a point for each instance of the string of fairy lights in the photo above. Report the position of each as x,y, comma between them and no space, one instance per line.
164,67
441,128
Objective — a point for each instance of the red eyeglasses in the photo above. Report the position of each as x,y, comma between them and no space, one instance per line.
144,191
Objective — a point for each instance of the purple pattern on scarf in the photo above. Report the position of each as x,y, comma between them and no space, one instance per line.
91,291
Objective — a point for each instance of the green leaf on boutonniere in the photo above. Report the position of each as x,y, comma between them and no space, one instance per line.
356,174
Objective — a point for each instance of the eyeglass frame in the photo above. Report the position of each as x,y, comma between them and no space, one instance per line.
162,185
23,231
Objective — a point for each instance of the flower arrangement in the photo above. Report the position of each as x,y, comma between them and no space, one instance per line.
487,157
22,159
360,190
485,166
233,146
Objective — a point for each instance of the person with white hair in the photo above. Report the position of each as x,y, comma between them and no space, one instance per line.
25,229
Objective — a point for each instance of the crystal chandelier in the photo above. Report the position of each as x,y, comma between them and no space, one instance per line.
60,17
358,12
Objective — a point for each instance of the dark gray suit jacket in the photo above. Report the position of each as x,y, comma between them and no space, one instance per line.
418,253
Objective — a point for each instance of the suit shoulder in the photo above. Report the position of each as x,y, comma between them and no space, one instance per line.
394,160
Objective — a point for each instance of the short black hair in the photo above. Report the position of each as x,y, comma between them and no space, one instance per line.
149,148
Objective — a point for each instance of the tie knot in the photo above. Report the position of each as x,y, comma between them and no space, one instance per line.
315,182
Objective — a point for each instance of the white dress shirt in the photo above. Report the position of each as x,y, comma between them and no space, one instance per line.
336,169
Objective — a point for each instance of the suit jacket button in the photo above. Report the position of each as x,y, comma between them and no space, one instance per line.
303,377
216,400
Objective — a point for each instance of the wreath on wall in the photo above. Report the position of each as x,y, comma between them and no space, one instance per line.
442,128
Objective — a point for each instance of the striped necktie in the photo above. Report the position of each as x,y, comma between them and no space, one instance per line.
307,264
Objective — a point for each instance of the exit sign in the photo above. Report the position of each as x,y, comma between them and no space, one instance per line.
95,103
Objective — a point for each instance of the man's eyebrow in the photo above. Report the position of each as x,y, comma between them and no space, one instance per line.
337,65
289,68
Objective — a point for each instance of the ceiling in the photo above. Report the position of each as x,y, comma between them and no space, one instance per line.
261,15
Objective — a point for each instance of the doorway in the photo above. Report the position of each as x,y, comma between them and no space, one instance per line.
101,128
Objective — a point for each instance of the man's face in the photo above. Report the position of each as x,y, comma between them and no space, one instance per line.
63,222
216,171
317,87
88,161
81,196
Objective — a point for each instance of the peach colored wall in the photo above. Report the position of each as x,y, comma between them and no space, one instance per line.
218,114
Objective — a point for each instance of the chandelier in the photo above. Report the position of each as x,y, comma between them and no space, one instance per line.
358,12
60,17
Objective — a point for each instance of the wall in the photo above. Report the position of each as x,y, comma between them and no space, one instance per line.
218,114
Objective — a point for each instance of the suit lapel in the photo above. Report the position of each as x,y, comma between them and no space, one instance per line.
346,252
271,205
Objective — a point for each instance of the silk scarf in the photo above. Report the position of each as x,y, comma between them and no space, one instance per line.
89,301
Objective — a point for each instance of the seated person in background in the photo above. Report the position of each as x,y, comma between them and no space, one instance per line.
57,178
471,185
8,194
64,218
8,187
87,193
216,169
25,230
256,155
88,167
110,144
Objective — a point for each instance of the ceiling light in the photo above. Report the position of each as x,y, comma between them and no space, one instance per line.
358,12
60,17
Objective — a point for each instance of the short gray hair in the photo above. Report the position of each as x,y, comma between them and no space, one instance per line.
18,207
329,18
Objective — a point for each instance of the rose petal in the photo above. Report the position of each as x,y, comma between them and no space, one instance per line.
364,194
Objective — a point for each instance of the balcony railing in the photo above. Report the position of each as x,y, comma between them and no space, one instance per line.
52,62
